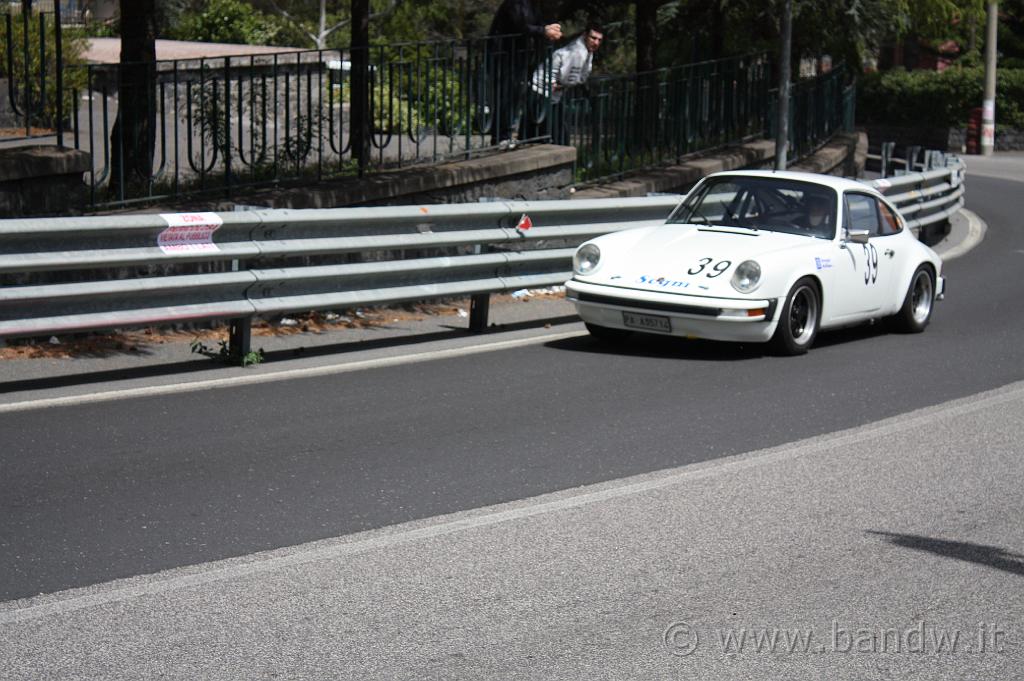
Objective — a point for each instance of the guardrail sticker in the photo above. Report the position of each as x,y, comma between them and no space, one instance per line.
189,232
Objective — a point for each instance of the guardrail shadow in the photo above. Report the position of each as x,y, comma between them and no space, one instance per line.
200,364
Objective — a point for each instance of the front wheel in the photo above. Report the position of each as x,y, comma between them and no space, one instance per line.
800,319
916,311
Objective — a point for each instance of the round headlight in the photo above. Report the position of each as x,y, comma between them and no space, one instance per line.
586,258
747,276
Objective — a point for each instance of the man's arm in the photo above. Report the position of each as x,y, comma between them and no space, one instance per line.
522,19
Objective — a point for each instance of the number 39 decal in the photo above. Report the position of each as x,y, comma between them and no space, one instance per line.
870,264
720,267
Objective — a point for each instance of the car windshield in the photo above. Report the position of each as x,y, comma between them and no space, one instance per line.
761,203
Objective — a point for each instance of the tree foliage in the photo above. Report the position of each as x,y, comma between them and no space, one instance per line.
232,21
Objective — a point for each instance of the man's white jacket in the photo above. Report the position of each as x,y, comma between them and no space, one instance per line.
570,65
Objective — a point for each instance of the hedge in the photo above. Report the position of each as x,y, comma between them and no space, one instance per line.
938,99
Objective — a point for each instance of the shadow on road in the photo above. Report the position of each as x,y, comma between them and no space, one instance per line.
992,556
274,356
672,347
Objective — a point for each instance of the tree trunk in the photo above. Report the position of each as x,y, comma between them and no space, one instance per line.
717,29
645,99
646,34
132,138
360,129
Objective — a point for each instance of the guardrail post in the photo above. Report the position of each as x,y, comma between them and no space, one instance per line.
912,153
479,308
240,337
887,150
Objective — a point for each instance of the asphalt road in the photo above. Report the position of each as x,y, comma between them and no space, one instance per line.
98,492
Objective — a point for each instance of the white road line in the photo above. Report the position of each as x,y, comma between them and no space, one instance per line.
976,228
286,375
61,604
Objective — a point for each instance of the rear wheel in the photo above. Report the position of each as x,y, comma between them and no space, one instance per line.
800,319
916,312
607,334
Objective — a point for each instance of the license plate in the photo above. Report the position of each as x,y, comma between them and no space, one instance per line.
647,322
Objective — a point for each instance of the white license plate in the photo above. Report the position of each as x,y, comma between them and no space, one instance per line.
647,322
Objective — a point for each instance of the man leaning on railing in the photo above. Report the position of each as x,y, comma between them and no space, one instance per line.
570,66
514,38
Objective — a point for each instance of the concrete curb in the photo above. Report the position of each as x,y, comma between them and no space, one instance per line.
967,230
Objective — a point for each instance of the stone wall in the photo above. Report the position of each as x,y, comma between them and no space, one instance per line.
41,181
844,155
544,171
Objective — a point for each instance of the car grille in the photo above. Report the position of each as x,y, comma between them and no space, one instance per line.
647,305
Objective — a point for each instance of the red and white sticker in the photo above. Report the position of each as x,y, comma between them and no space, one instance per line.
189,232
525,223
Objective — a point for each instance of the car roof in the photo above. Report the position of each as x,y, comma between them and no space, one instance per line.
840,184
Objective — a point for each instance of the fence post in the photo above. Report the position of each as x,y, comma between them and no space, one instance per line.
479,308
887,150
240,337
58,46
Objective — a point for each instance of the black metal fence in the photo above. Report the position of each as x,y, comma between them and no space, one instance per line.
33,100
215,126
818,108
220,124
623,123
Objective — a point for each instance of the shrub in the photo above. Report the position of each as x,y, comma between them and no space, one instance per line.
231,21
938,99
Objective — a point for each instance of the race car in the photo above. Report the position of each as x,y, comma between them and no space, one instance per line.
760,256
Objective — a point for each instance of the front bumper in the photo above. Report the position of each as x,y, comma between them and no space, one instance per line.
743,320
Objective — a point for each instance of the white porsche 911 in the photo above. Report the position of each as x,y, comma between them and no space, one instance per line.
760,256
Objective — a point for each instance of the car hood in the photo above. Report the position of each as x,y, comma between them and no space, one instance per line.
669,257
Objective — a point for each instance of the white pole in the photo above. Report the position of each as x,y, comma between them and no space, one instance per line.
988,111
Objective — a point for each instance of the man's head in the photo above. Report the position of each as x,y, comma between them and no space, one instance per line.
593,36
818,209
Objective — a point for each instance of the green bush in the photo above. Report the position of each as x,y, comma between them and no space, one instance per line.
938,99
232,21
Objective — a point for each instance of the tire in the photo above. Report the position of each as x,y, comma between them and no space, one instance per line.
800,319
916,311
607,334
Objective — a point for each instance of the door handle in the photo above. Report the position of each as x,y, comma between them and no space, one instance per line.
889,252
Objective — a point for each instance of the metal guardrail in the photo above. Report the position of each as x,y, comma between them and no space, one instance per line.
279,261
930,196
208,266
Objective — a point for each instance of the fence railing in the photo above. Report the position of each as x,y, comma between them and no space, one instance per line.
818,108
32,98
624,123
216,126
221,124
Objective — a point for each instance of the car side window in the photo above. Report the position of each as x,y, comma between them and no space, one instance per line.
890,223
862,213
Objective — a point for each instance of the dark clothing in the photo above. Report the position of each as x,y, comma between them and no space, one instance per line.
515,17
515,39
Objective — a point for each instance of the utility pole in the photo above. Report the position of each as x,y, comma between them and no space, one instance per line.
782,133
988,110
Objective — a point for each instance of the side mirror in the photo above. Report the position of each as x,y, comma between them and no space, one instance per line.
858,236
